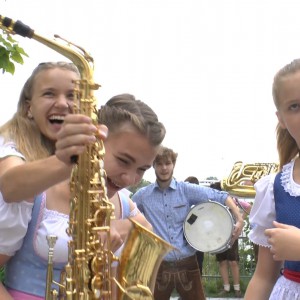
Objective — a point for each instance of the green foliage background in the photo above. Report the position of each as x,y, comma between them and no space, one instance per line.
10,53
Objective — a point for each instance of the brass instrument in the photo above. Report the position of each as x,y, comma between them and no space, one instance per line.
140,261
87,275
51,239
242,178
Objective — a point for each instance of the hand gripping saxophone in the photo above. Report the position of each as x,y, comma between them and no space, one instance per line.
87,274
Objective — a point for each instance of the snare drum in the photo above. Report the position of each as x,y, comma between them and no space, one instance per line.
208,227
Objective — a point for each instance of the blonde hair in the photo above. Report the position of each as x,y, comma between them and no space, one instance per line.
125,108
286,145
24,131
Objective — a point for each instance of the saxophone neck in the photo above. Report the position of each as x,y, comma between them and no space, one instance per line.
83,61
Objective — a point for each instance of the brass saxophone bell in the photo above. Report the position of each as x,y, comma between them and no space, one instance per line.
140,260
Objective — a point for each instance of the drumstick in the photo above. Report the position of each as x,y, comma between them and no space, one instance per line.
237,201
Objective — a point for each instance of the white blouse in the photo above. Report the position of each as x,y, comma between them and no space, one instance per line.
262,213
52,223
14,217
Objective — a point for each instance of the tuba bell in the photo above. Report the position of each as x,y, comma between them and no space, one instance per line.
242,178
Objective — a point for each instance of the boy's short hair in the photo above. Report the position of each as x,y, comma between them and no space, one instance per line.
164,154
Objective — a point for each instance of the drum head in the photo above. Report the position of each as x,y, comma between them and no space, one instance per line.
208,227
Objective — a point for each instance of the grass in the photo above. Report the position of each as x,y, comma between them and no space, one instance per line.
214,286
212,281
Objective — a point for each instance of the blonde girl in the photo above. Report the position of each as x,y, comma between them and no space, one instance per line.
278,196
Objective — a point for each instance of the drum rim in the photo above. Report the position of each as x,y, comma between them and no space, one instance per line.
224,246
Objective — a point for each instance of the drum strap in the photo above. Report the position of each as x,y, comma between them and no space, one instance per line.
291,275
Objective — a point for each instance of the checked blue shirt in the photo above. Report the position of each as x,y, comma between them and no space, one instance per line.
167,209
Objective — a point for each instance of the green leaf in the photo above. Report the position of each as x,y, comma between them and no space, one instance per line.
20,50
4,59
16,56
2,50
10,39
10,68
10,52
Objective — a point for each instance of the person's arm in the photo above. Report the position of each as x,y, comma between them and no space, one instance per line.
283,235
4,295
244,206
124,226
266,273
21,180
3,259
138,216
239,224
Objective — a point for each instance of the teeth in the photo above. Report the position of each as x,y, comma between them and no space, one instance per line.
57,117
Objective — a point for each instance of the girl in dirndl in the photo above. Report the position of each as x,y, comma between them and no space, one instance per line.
278,196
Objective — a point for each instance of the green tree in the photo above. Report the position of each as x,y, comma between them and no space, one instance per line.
134,189
10,53
212,178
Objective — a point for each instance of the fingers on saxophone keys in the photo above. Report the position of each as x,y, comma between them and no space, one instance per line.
76,124
102,132
64,155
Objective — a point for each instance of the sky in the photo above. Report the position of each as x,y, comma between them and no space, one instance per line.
205,67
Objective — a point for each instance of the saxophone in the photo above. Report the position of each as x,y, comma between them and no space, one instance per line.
242,177
87,274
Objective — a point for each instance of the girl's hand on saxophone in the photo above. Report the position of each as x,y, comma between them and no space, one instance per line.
75,134
116,240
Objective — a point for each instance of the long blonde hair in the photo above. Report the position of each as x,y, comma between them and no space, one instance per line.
286,145
24,131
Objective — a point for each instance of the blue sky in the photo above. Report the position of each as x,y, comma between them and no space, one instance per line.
205,67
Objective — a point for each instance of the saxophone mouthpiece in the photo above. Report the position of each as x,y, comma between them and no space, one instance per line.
16,27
